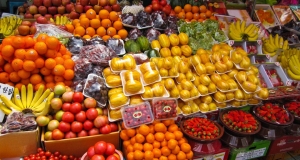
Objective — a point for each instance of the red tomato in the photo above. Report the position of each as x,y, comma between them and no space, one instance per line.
70,134
78,97
64,157
66,106
91,152
166,10
68,117
48,154
154,1
155,7
75,107
100,121
163,3
112,157
88,125
94,131
172,13
80,117
76,127
114,127
148,9
100,147
64,126
91,113
82,133
98,157
105,129
57,134
110,150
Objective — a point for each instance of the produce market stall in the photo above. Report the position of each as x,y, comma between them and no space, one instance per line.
170,80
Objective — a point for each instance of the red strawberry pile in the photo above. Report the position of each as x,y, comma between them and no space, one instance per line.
201,128
293,107
240,121
273,113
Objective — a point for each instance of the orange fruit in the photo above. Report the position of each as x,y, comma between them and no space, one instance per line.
138,146
95,23
13,76
25,81
150,138
68,83
20,53
113,16
181,15
155,122
90,14
138,155
105,38
182,140
59,70
51,53
103,14
172,128
35,79
156,152
185,147
42,37
66,57
17,64
130,156
178,135
122,33
2,61
111,31
177,9
202,8
116,36
151,127
70,28
139,138
144,130
159,136
165,151
52,43
40,47
69,64
29,42
19,86
101,31
8,68
35,71
147,147
8,41
82,15
172,143
130,132
79,30
58,79
129,148
90,31
169,136
208,13
181,156
203,16
156,144
189,155
45,71
160,127
49,78
176,150
200,20
50,85
7,51
189,15
187,8
148,155
163,158
69,74
84,22
118,25
28,66
132,140
59,60
4,77
195,9
50,63
164,143
213,18
105,23
168,122
23,74
31,54
196,16
172,157
126,143
18,42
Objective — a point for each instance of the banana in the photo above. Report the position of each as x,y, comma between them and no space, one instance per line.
40,100
238,26
292,75
9,103
249,27
65,20
280,42
9,31
52,20
17,99
272,43
56,20
5,109
276,41
23,95
37,95
234,36
19,21
41,106
29,94
293,67
253,32
283,62
243,27
46,108
267,46
285,45
269,53
253,38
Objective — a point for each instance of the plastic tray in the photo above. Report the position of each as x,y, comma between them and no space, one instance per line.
143,81
285,80
257,88
236,141
129,26
90,76
224,101
164,108
266,7
118,107
166,95
109,85
225,91
136,115
239,106
280,15
191,98
139,27
237,66
117,72
123,84
111,119
250,103
295,8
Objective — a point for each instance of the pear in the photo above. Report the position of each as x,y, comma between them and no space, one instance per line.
194,107
263,93
239,95
229,95
202,89
168,63
220,67
195,60
223,85
252,78
183,67
212,88
220,97
206,99
189,75
232,73
241,76
210,68
212,106
215,78
200,69
245,63
204,107
186,109
204,79
236,57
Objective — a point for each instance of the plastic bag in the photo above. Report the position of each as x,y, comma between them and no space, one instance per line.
18,121
117,45
134,34
75,44
83,67
52,30
96,40
78,85
97,54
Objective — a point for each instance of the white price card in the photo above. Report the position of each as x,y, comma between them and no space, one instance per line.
250,154
7,91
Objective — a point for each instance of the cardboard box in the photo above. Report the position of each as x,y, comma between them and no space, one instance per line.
78,146
284,144
280,156
258,148
19,144
221,154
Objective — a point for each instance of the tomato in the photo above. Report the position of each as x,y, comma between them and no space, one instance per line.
39,149
172,13
80,117
88,125
163,3
82,133
91,152
90,103
75,107
110,149
64,126
41,153
114,127
70,134
71,157
68,117
64,157
154,1
76,126
105,129
155,7
98,157
148,9
57,134
100,147
166,10
94,131
66,107
112,157
91,113
48,154
26,158
78,97
100,121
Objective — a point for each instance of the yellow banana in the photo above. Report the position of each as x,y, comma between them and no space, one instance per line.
9,103
37,95
41,107
267,46
293,66
233,36
40,100
283,61
5,109
238,26
285,45
29,94
248,28
46,108
23,95
243,27
253,32
253,38
292,75
17,98
276,41
269,53
271,40
280,42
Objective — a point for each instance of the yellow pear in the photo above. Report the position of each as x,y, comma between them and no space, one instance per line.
263,93
252,78
215,78
220,67
236,57
195,60
210,68
194,92
202,89
220,97
241,76
204,79
194,107
185,94
174,92
212,106
239,95
212,88
186,109
204,107
245,63
232,73
200,69
249,86
229,95
189,75
168,63
206,99
163,72
232,84
225,77
148,92
173,71
223,85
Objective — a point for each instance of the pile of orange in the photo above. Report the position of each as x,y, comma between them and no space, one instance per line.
194,13
157,141
40,61
265,15
104,24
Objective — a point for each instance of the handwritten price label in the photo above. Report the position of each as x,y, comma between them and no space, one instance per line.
230,42
259,42
268,56
288,83
277,63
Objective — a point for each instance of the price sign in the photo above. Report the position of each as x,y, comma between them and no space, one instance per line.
259,42
7,91
277,63
268,56
288,83
230,42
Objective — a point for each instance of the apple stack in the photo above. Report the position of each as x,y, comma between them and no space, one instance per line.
75,116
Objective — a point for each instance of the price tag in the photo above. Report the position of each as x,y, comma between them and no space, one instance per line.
244,142
288,83
277,63
259,42
271,133
7,91
233,141
209,157
230,42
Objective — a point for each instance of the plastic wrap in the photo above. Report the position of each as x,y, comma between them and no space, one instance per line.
75,44
53,30
117,45
96,40
134,34
18,121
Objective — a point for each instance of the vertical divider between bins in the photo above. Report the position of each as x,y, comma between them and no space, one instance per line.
283,77
265,76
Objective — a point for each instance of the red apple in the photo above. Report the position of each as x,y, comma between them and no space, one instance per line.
56,2
93,2
78,8
84,2
47,3
74,15
21,9
65,2
48,16
86,8
116,7
28,16
108,8
61,9
37,2
52,10
36,16
42,10
69,7
33,9
42,20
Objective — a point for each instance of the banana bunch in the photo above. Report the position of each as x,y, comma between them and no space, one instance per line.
290,61
239,31
38,103
272,44
61,20
9,24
